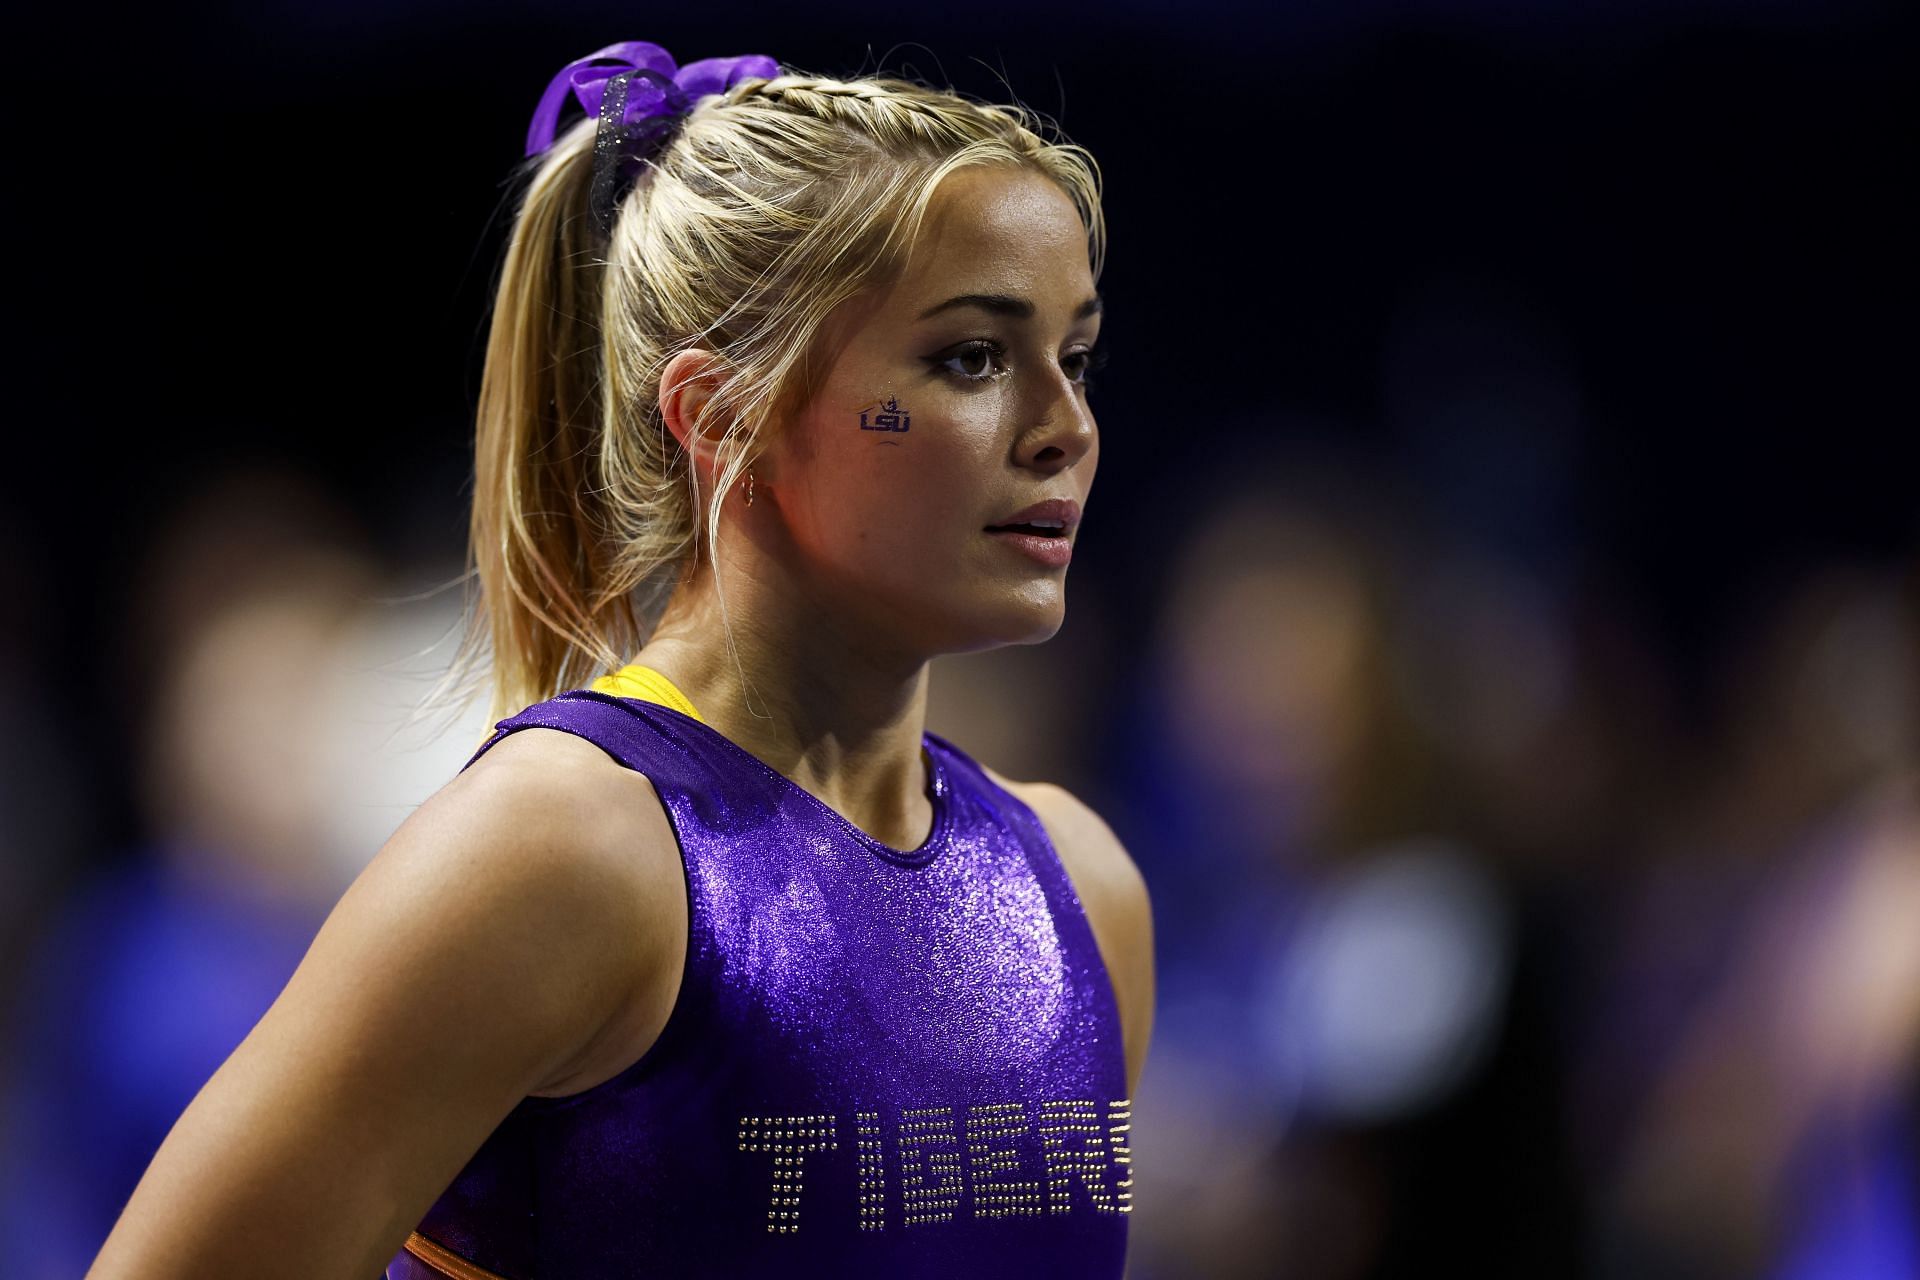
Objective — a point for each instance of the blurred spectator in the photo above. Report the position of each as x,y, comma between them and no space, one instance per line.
1338,970
1765,1016
268,725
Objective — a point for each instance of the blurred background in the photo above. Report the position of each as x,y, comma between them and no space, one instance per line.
1493,633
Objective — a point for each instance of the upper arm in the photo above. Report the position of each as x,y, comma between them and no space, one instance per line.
484,950
1114,894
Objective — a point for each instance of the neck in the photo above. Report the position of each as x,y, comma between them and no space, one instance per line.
813,694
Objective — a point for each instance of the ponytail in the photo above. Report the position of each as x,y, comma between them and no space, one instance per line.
538,533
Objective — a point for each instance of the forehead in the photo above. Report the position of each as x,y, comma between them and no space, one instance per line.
998,228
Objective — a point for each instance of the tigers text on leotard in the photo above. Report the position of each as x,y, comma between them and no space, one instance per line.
988,1162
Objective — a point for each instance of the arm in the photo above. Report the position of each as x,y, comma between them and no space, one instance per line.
1115,896
489,948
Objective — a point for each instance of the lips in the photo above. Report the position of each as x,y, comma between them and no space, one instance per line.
1053,518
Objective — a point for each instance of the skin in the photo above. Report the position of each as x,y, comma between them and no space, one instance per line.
525,930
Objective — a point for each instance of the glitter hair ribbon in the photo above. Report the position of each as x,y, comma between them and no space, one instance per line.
640,97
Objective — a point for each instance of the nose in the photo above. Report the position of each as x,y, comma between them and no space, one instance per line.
1063,431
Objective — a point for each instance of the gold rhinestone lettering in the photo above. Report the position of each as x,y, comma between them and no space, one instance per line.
1074,1145
788,1139
873,1174
930,1179
992,1130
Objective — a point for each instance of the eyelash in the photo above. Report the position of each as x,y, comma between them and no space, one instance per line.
1096,357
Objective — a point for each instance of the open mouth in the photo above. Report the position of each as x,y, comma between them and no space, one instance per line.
1037,530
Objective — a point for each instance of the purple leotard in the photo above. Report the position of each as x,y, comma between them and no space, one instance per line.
880,1063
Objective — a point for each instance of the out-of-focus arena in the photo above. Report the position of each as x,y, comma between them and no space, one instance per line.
1496,634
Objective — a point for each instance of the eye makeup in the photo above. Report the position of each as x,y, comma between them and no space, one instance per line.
1093,358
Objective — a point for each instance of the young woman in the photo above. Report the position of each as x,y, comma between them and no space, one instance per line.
723,966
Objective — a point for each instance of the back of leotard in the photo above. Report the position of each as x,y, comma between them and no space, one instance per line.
880,1063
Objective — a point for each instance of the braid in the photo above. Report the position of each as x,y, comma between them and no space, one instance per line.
893,110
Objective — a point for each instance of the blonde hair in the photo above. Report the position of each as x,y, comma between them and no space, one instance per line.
774,203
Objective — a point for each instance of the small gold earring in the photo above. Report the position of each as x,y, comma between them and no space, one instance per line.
749,488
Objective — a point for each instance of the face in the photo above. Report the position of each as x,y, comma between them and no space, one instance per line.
958,398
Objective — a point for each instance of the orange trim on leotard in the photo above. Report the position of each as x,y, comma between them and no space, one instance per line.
446,1262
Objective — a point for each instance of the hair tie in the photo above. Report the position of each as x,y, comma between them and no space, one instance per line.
640,97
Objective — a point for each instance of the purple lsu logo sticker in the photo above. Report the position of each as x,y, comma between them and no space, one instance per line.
886,415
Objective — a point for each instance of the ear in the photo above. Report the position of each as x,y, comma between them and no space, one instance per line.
687,384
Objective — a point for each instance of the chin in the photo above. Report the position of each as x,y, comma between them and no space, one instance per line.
1019,622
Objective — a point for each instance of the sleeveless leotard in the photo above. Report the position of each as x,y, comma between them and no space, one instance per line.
880,1062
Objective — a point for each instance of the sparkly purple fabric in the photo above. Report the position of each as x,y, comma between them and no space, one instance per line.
881,1063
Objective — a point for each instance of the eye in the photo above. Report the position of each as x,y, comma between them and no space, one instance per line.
1089,360
978,352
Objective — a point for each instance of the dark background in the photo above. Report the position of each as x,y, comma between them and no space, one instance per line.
1621,294
269,232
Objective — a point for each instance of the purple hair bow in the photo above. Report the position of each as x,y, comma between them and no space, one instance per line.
656,88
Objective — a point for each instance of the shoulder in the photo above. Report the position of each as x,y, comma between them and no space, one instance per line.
543,802
551,846
1112,891
561,775
494,943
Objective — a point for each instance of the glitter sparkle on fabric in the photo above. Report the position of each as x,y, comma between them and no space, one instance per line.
881,1062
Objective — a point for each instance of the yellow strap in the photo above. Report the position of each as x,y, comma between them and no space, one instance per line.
646,684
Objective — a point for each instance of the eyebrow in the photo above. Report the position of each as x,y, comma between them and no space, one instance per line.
1002,304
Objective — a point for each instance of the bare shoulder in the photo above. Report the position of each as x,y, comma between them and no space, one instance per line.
606,825
570,799
555,821
506,938
1115,896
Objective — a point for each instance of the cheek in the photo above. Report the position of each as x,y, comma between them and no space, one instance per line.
907,470
913,500
906,436
917,491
